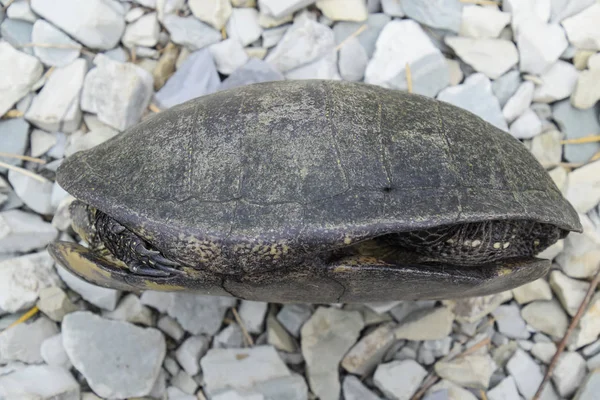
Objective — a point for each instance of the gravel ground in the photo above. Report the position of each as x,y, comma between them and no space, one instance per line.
75,73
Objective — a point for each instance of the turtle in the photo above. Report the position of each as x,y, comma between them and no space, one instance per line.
312,191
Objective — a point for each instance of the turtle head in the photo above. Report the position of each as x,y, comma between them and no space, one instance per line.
83,222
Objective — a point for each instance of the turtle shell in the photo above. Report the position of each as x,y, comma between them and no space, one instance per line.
287,168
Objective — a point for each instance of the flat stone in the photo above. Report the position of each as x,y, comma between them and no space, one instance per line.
475,95
580,256
532,291
282,8
588,329
56,107
447,390
34,193
142,32
509,322
197,76
354,389
344,10
392,8
243,25
18,73
190,352
17,33
365,355
197,314
540,45
505,390
403,42
230,337
278,337
53,352
252,314
493,57
594,362
471,371
213,12
98,24
322,68
99,296
527,126
576,123
526,373
41,142
14,133
171,327
22,279
519,102
523,11
305,41
293,317
55,303
472,309
482,22
174,393
569,373
544,351
190,32
326,337
352,60
399,380
132,310
569,291
20,10
184,382
558,83
228,55
270,37
587,90
590,387
79,141
582,29
447,17
44,32
104,92
40,382
22,342
592,349
23,232
547,149
506,86
241,368
429,324
107,365
547,317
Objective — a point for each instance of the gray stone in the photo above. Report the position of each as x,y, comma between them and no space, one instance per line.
594,362
504,352
282,8
34,193
304,42
493,57
253,71
536,290
505,390
22,342
446,16
591,349
354,389
243,25
99,296
569,373
527,126
40,382
399,380
18,74
544,351
270,37
159,390
214,12
392,8
14,133
367,38
174,393
293,317
475,95
482,22
365,355
569,291
55,303
184,382
588,328
540,45
170,327
587,90
590,387
582,28
196,77
23,232
98,24
576,123
17,33
352,60
472,309
104,92
547,149
581,254
107,364
230,337
241,368
132,310
197,314
41,142
278,337
22,279
190,352
519,102
21,10
547,317
322,68
558,83
562,9
252,314
53,352
509,321
78,141
526,373
171,365
505,86
449,391
143,32
56,107
472,370
46,33
404,42
190,32
428,324
326,337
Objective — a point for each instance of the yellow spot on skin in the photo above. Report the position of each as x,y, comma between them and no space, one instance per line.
347,240
504,271
536,242
497,245
450,241
467,243
505,245
148,284
476,243
342,268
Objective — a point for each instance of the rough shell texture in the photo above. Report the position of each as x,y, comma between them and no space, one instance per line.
298,166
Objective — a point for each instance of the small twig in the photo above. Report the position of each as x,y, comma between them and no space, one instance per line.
24,317
53,46
247,336
223,33
133,55
200,395
13,114
483,395
582,140
20,157
409,78
24,172
475,347
154,108
357,32
561,346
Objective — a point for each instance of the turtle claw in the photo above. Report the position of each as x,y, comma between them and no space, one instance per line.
161,260
141,269
145,252
166,268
